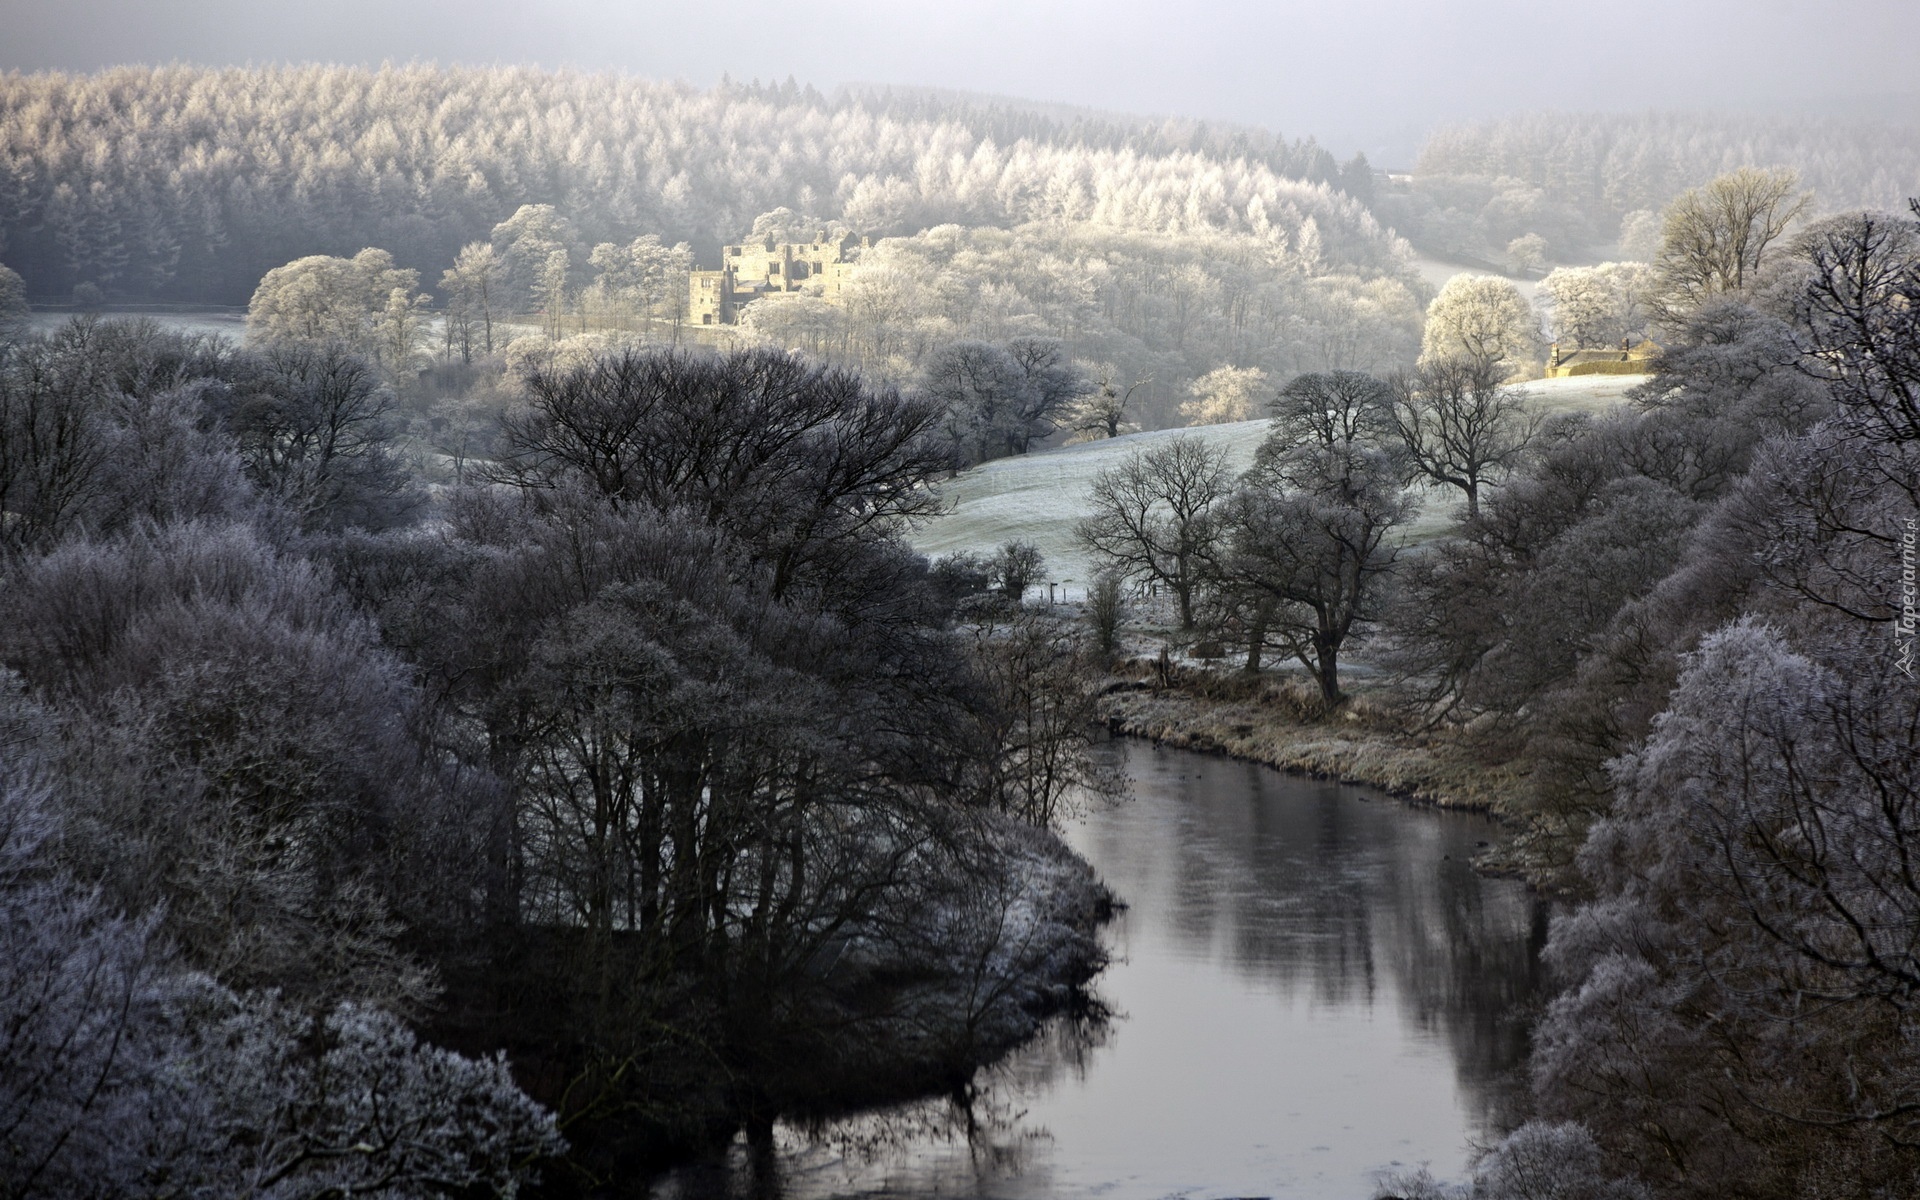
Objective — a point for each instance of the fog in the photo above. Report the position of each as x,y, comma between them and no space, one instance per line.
1371,74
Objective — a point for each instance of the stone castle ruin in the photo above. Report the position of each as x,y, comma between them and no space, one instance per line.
751,270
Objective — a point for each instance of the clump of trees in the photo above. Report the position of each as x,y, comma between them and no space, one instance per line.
657,762
1597,306
1154,311
1224,395
1685,621
1301,553
1716,236
362,304
998,399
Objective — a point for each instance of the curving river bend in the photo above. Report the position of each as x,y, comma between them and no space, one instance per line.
1310,986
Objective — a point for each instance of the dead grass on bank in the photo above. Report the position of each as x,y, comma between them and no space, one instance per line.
1370,741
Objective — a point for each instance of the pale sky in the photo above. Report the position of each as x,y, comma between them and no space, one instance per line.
1369,74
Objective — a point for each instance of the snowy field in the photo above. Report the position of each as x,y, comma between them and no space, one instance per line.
230,322
1436,272
1040,497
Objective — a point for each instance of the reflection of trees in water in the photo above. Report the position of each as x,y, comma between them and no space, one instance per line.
983,1126
1299,885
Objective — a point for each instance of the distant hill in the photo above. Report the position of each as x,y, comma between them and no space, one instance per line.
1575,178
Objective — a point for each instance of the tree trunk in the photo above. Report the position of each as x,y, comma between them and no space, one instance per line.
1256,640
1327,671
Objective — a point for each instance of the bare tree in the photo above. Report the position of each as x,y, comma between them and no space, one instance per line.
1054,384
1103,411
1330,409
1862,307
1105,610
1015,568
314,427
1152,516
1459,427
1045,685
799,461
1304,549
982,393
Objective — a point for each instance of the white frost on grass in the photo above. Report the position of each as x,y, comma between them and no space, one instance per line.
1040,497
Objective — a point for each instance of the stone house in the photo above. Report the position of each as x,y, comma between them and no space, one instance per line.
1628,358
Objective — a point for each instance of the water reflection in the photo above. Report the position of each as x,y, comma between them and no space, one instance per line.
1309,987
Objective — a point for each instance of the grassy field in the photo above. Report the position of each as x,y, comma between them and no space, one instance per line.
1040,497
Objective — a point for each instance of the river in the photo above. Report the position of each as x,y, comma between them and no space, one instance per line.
1310,986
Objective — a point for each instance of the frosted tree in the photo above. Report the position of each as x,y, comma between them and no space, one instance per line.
123,1074
13,305
1640,235
1526,253
1578,306
642,278
1546,1161
1102,412
1714,238
795,321
363,304
471,287
1484,320
552,294
1595,306
1225,394
525,245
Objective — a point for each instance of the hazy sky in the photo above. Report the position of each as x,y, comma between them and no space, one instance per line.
1355,73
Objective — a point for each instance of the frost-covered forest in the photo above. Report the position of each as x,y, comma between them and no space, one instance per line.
1593,185
184,183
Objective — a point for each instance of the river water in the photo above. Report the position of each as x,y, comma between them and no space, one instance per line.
1310,987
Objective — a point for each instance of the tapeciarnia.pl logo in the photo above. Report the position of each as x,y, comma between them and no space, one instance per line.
1903,626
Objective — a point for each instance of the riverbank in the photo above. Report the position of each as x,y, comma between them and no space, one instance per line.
1277,722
